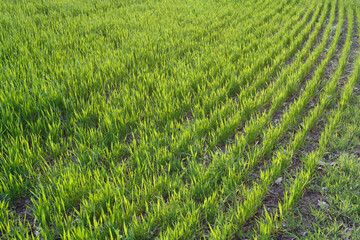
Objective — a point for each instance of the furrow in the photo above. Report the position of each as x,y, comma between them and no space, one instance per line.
253,196
295,190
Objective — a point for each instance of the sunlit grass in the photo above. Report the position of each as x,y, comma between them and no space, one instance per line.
162,119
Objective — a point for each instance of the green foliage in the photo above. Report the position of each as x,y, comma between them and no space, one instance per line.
162,119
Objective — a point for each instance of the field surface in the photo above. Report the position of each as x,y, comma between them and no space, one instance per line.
174,119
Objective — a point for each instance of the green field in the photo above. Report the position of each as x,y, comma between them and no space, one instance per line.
173,119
